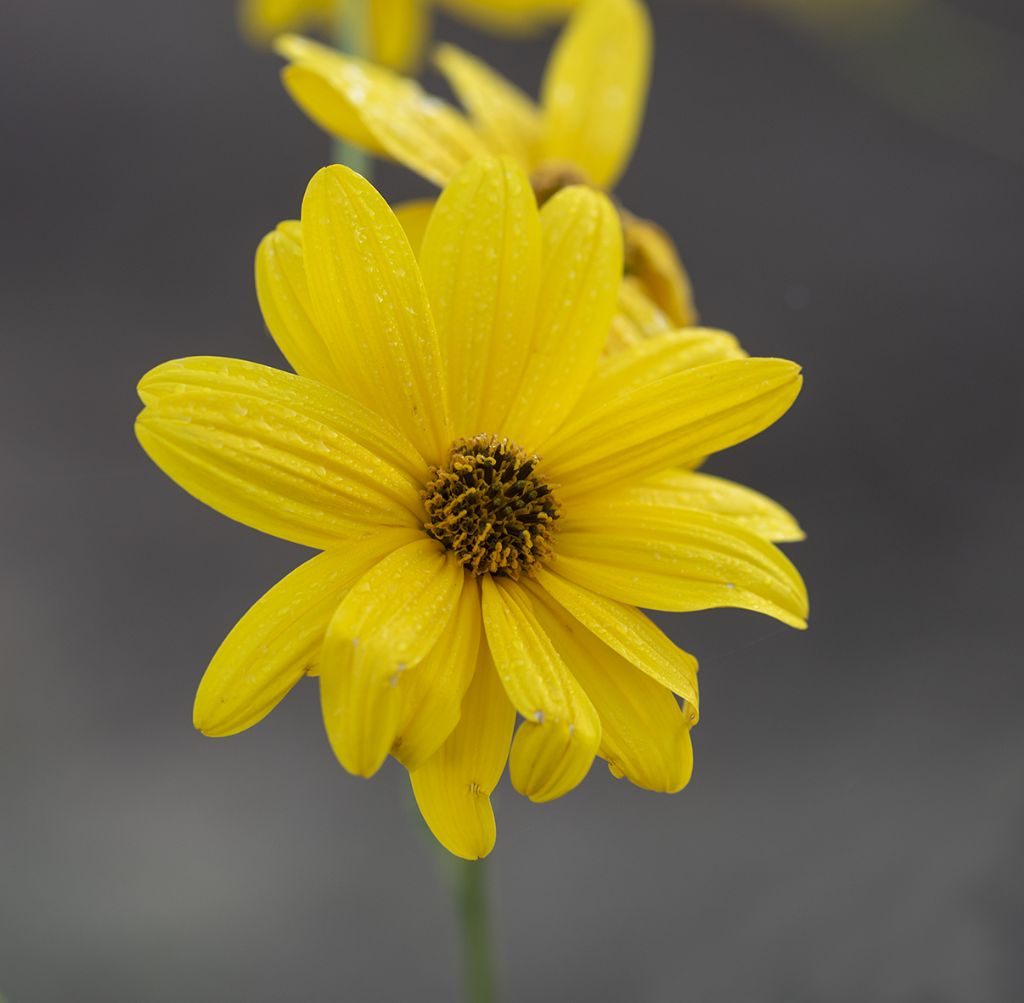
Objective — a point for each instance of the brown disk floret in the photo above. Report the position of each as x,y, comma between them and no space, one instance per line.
489,507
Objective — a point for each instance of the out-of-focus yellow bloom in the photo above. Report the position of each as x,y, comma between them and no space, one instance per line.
584,130
493,497
398,29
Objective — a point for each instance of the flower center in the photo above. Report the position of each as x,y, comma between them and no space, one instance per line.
489,507
551,177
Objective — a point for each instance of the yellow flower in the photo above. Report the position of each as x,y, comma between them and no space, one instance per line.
592,104
398,29
493,499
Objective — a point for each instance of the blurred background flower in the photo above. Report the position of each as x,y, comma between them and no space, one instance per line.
398,29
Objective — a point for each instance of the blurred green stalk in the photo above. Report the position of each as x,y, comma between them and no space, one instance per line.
352,36
470,884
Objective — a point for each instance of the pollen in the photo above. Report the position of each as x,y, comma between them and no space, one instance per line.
488,506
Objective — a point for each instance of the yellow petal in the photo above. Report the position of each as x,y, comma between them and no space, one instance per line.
653,359
669,422
581,271
284,301
481,261
278,452
651,258
454,786
636,318
595,88
262,20
667,558
398,31
386,625
279,639
368,298
626,630
372,107
685,489
500,110
555,746
512,17
414,217
645,734
318,80
432,694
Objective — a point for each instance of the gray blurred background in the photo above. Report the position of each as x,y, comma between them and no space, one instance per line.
853,828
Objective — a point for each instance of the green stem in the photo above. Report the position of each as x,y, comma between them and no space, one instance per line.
470,880
352,36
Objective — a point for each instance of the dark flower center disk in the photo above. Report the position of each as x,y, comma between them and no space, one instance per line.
489,507
551,177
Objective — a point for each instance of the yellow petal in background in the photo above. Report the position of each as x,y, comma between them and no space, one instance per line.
481,261
655,358
627,631
669,422
284,301
555,746
398,31
636,318
645,734
279,639
262,20
652,259
368,299
319,80
595,89
414,217
666,558
514,17
454,786
277,452
581,271
386,625
382,111
432,694
504,115
686,489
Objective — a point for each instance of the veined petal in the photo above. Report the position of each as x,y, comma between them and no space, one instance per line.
454,786
386,113
661,557
651,257
626,630
581,271
284,301
653,359
481,261
555,746
432,693
398,31
595,88
672,490
414,216
501,111
669,422
318,79
645,734
386,625
278,452
637,317
280,637
368,298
